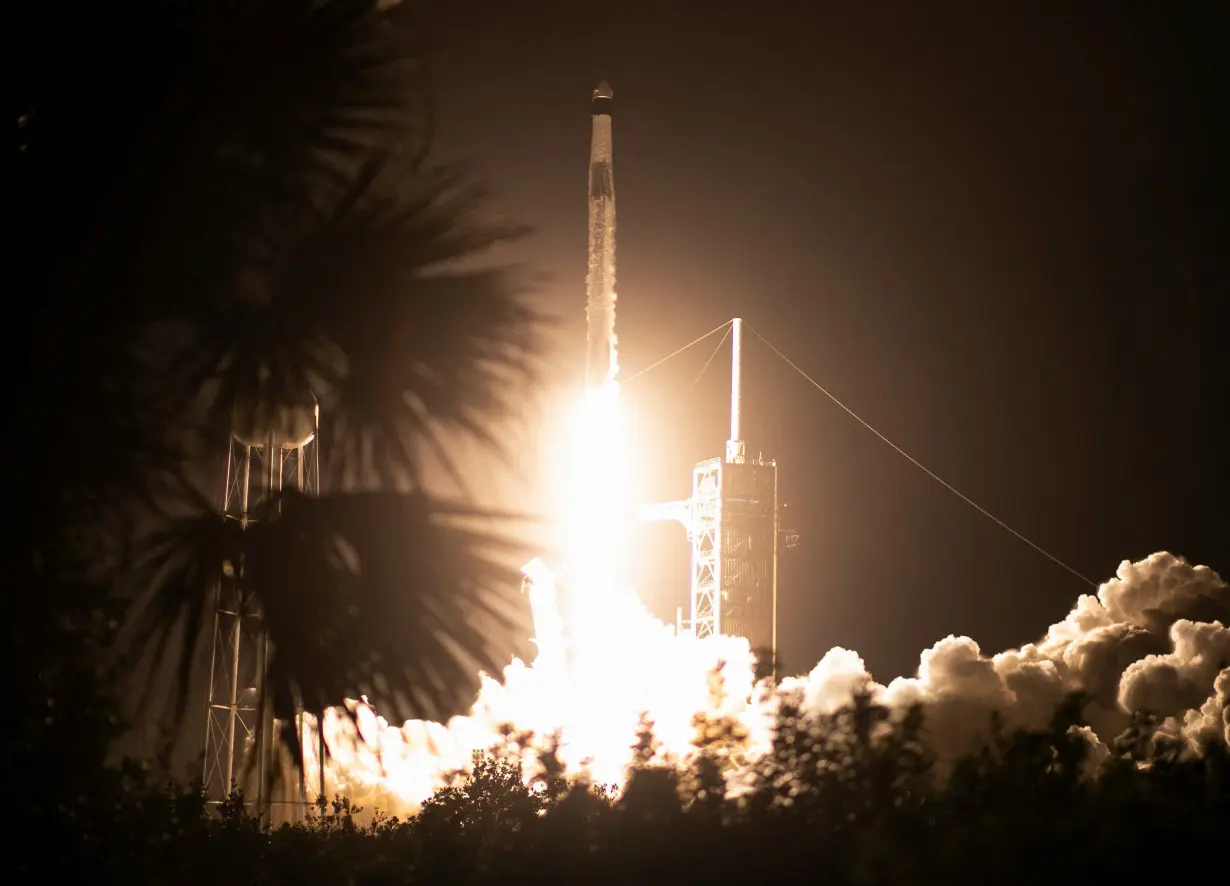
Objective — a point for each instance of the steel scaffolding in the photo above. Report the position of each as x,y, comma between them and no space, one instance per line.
236,699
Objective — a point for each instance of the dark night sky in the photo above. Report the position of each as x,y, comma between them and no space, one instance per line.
992,234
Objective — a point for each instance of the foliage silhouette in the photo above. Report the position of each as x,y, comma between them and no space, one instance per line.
846,797
234,218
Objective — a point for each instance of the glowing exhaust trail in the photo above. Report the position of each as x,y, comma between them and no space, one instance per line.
604,662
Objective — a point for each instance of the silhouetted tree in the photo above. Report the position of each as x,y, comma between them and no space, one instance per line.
462,829
1007,815
233,217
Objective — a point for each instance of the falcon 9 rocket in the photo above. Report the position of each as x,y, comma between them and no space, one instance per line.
600,353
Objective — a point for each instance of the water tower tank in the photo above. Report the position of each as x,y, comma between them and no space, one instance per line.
290,425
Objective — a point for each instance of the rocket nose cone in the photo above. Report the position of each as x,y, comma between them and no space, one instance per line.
604,91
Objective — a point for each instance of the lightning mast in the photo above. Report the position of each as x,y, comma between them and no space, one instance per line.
735,450
600,359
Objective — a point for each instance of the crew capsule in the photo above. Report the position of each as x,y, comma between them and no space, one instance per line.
604,99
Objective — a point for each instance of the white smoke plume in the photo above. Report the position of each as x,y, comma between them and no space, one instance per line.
1210,722
1153,639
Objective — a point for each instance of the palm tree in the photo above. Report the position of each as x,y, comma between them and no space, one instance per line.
236,215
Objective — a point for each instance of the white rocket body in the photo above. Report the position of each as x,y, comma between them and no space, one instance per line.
600,351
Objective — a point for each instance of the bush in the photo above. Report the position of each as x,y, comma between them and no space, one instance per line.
848,797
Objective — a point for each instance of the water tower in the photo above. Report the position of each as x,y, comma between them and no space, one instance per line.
271,449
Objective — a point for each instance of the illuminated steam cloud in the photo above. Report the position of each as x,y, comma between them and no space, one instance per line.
1149,640
1211,722
1152,639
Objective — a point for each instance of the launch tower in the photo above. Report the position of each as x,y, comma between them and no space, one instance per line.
733,524
734,531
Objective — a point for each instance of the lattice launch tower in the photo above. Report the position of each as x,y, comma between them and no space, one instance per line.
732,521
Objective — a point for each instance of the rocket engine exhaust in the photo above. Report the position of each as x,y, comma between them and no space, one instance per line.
600,355
1154,639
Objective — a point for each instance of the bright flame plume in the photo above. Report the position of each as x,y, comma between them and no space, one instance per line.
597,676
609,665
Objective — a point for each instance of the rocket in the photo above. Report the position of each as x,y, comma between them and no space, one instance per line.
600,353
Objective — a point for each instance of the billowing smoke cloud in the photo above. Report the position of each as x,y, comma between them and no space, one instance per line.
1153,639
1210,722
1148,641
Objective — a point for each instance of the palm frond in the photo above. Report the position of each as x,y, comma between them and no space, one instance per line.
259,228
172,587
151,189
277,106
391,596
426,338
380,310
